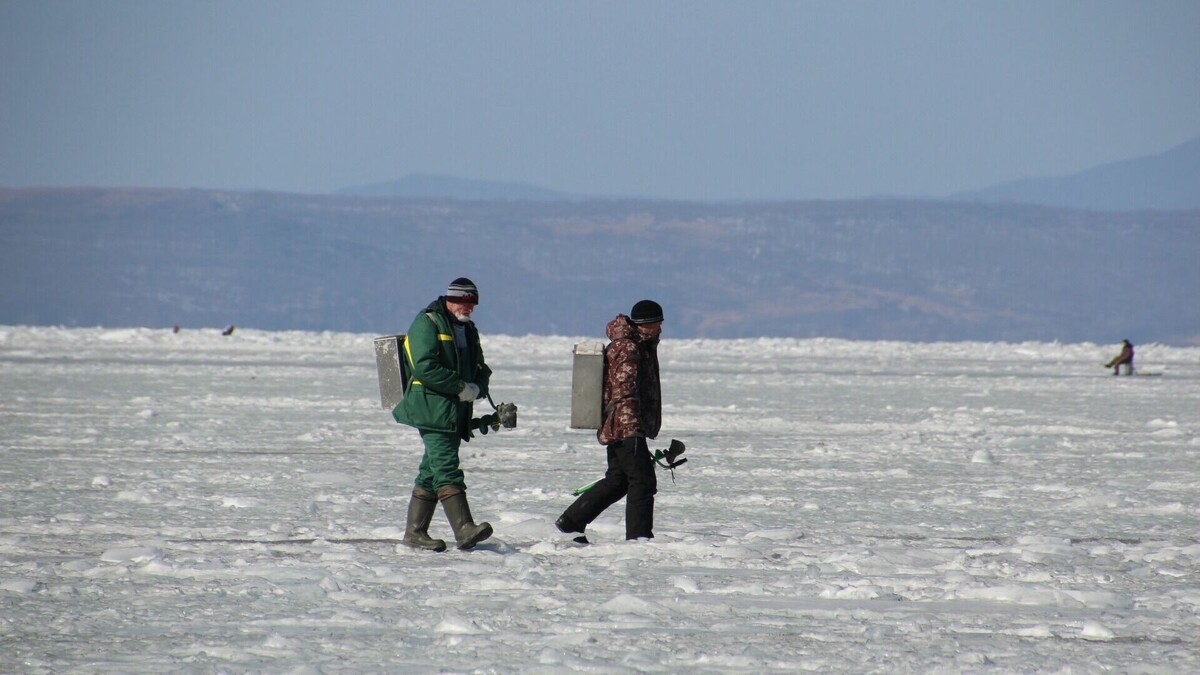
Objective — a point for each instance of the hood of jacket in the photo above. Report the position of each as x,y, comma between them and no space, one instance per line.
621,328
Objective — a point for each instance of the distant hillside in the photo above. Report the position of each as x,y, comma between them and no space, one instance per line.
918,271
434,186
1170,180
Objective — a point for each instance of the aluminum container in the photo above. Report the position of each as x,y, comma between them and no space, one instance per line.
393,376
587,385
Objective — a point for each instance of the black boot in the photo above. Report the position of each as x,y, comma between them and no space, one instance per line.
568,526
420,513
458,512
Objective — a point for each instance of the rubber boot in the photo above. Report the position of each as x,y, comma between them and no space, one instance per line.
458,512
420,513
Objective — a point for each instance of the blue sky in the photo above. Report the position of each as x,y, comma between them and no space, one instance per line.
693,100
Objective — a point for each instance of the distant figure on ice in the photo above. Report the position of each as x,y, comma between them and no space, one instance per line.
1125,358
447,374
228,330
632,413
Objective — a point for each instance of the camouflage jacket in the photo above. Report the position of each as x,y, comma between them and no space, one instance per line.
632,394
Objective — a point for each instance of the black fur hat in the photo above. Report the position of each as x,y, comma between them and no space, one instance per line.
646,311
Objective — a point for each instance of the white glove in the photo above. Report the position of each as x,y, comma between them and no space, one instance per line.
470,392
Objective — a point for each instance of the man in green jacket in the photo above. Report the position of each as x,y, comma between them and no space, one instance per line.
446,374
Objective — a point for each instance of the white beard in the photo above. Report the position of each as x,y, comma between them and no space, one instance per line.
462,316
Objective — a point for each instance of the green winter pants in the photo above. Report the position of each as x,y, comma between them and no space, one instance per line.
439,464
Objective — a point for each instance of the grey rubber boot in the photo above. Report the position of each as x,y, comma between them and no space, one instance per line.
420,513
458,512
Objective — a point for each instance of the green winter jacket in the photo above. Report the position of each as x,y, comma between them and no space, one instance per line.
436,373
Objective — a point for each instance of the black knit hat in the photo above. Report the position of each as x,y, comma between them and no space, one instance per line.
646,311
462,290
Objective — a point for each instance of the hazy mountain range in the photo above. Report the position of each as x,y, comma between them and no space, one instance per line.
1170,181
875,269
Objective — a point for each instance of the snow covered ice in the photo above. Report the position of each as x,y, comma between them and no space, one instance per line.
199,503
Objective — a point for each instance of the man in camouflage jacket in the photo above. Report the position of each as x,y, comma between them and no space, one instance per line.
632,413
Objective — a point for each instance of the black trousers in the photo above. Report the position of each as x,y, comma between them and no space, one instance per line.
630,474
